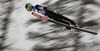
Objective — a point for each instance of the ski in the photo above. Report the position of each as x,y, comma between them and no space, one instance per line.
53,21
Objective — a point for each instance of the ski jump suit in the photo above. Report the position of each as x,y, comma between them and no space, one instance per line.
54,16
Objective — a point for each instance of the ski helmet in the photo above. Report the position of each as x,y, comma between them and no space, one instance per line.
28,6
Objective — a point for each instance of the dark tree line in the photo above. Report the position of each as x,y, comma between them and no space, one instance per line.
7,7
59,41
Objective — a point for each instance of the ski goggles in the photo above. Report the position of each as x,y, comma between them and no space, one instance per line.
30,6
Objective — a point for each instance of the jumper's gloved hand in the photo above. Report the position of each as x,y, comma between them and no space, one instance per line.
40,7
37,7
45,8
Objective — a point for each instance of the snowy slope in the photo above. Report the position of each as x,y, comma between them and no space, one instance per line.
18,30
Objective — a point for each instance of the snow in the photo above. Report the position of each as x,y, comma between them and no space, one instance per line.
17,31
96,15
34,2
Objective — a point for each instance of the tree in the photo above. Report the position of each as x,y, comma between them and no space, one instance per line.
5,22
58,41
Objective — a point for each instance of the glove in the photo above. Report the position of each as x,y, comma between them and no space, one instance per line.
45,8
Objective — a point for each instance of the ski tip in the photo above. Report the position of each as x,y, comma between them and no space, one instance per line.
96,33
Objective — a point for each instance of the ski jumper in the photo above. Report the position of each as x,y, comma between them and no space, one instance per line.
54,16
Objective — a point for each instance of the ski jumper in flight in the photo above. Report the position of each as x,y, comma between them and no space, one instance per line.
52,15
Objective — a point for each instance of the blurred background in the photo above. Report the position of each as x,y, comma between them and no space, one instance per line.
21,31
